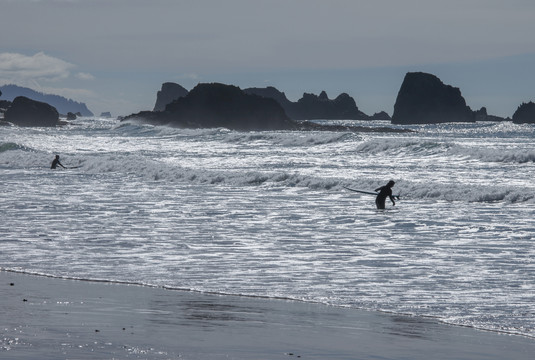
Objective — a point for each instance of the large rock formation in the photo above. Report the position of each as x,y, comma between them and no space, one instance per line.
28,112
424,99
169,92
312,107
219,105
525,113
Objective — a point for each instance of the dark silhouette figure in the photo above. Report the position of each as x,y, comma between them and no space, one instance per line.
56,162
384,192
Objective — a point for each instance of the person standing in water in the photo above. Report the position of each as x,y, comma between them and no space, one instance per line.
56,162
384,192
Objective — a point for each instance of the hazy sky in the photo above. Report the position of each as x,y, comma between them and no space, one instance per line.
115,54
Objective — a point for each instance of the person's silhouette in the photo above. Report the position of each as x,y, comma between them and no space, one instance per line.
56,162
384,192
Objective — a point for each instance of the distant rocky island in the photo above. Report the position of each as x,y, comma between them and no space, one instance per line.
422,99
316,107
309,107
220,105
525,113
62,105
27,112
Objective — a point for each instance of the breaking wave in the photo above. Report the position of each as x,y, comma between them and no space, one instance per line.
409,147
131,167
7,146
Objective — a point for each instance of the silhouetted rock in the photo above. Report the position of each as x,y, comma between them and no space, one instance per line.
273,93
28,112
481,115
105,114
63,105
169,92
424,99
382,115
525,114
71,116
313,107
218,105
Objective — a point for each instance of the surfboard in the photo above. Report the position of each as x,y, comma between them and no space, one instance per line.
367,192
361,191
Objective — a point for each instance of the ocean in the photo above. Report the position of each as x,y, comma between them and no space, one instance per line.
266,214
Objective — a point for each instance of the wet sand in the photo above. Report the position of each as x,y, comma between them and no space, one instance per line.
47,318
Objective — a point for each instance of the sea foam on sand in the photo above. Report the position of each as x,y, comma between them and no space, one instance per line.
48,318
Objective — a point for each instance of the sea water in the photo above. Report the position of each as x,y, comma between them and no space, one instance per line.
266,214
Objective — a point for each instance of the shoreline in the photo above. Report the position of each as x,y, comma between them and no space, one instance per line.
44,317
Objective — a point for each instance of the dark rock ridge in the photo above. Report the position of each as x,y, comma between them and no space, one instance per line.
28,112
314,107
105,114
309,107
481,115
424,99
218,105
525,114
169,92
63,105
381,115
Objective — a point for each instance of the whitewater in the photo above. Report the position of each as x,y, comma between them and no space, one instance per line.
265,214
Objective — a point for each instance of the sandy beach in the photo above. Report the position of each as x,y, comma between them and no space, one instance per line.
48,318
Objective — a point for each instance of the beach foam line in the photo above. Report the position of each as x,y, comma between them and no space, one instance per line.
51,318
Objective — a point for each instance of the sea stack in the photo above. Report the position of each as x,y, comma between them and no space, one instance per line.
170,91
424,99
27,112
525,114
218,105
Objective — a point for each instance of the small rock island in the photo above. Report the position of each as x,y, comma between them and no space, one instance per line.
27,112
220,105
525,114
424,99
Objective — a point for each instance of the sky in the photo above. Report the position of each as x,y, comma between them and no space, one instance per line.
114,55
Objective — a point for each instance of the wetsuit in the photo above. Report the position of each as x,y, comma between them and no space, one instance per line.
55,164
384,192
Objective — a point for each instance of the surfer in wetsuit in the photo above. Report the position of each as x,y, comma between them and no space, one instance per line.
384,192
56,162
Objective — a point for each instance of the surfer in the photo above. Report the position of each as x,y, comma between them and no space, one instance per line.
384,192
56,162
